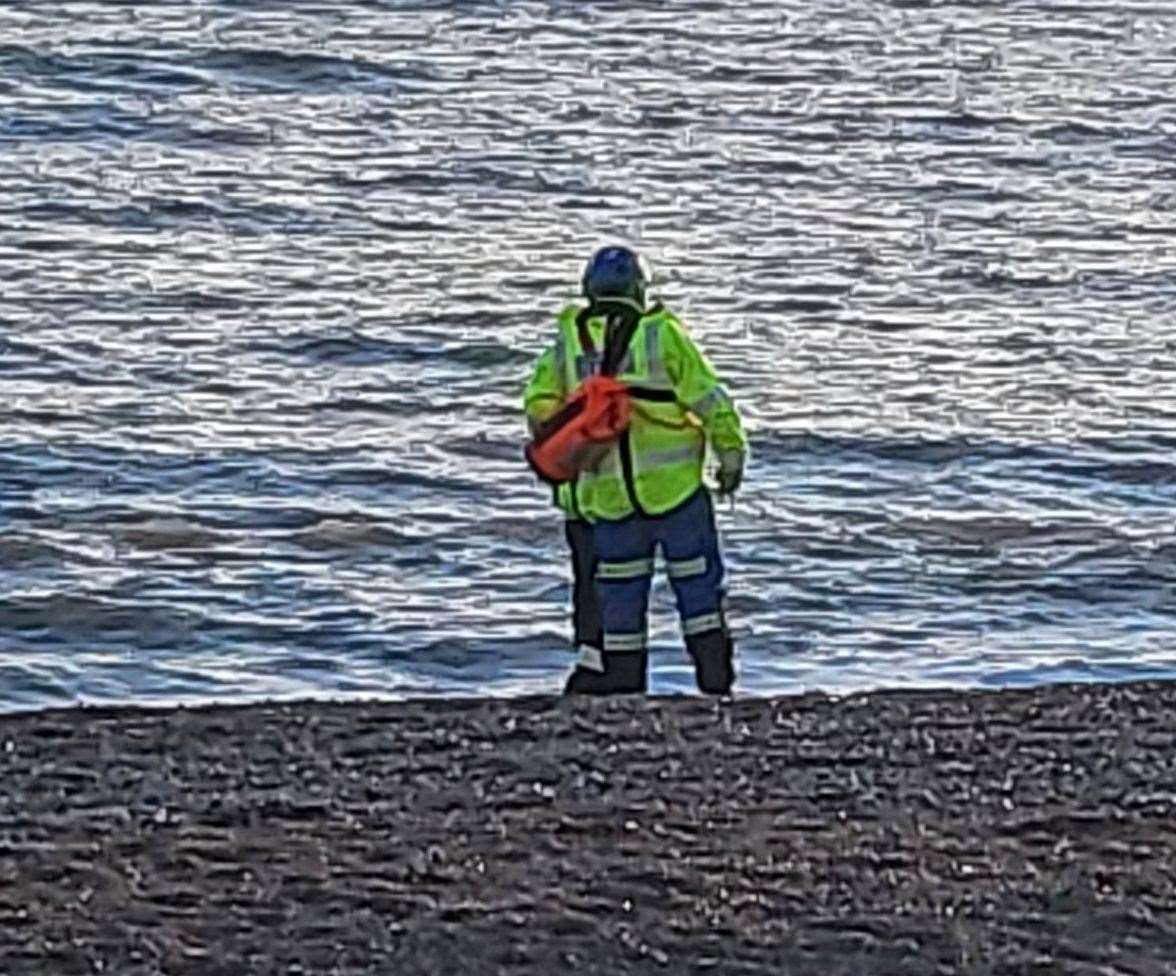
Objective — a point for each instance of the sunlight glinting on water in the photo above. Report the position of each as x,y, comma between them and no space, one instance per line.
275,277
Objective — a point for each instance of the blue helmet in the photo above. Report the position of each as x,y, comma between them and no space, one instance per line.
616,273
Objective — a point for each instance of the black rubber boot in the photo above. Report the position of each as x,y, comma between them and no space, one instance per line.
625,673
714,661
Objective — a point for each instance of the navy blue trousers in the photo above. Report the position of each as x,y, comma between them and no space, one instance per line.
624,553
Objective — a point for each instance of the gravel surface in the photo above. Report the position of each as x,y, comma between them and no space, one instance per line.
1026,832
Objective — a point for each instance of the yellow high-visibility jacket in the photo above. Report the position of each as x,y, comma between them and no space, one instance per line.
679,406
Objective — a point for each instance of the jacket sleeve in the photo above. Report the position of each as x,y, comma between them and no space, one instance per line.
544,393
699,390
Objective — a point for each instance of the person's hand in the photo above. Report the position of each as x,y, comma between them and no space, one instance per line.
730,472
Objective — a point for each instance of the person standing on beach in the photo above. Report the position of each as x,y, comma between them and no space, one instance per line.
644,490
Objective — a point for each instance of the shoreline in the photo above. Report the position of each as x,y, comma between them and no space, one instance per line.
898,832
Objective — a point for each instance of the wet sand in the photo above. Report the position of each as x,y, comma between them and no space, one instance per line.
1027,832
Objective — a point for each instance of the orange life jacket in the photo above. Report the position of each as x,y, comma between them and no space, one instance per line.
582,430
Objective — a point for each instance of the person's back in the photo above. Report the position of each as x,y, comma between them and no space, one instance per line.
646,489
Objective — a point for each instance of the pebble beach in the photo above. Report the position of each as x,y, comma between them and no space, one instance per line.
1016,831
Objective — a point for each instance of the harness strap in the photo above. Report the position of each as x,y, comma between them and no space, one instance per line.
619,332
653,396
618,338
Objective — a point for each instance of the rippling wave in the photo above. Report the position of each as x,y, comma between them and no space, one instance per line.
274,278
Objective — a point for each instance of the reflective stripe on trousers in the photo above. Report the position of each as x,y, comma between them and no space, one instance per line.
682,568
703,623
632,569
634,641
591,658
